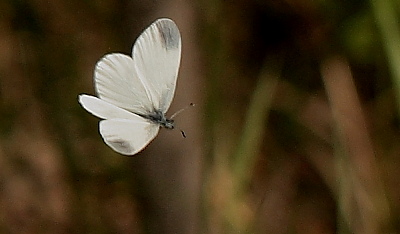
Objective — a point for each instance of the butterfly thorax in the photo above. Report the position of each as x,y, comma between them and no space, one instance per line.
159,118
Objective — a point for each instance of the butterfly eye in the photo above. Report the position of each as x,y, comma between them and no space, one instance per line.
169,124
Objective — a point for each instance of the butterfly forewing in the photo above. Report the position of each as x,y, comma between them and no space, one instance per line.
157,54
116,82
105,110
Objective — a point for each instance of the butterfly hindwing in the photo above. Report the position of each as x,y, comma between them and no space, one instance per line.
127,136
123,131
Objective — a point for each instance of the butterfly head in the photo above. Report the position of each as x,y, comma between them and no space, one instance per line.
159,118
168,123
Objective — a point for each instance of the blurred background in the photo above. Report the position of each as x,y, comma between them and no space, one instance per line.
295,128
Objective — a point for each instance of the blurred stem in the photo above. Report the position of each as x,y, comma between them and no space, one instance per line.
254,126
343,189
249,145
216,158
362,204
388,24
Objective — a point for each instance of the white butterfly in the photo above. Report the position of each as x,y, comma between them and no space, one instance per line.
134,93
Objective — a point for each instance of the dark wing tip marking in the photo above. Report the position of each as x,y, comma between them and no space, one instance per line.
170,33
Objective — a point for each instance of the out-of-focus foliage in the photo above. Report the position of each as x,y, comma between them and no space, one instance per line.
299,109
327,159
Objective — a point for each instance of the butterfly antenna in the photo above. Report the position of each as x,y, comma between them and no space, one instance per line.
180,111
183,134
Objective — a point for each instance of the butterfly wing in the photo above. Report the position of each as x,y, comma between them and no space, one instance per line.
123,131
127,136
116,82
146,82
157,54
103,109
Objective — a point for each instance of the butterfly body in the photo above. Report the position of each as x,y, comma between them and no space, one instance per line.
159,118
